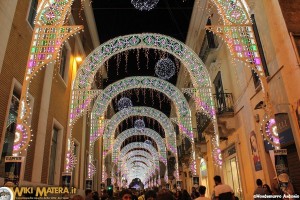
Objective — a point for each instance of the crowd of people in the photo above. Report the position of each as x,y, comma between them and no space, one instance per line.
153,194
221,192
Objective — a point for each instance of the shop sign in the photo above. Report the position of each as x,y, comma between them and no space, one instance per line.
284,129
282,170
13,165
66,179
88,184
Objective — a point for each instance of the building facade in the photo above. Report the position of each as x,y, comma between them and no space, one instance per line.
49,94
239,101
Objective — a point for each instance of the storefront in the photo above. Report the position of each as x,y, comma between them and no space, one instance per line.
231,171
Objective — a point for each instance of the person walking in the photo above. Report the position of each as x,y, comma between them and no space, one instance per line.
259,190
202,190
222,191
88,194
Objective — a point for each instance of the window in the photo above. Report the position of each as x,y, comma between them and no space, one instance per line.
211,37
63,62
255,79
259,45
32,12
296,44
53,155
10,127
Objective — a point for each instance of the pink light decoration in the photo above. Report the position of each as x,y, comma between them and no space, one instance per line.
257,61
205,106
235,14
41,56
173,149
185,130
238,48
269,131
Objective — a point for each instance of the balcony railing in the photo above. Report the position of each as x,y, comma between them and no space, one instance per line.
224,103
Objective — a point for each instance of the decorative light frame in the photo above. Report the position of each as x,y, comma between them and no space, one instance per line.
135,145
127,165
164,121
133,132
139,153
117,45
198,73
171,91
237,33
47,40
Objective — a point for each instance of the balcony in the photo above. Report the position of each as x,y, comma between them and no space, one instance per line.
224,104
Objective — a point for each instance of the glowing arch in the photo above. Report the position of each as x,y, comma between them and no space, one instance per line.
176,96
138,152
132,132
136,159
111,91
162,156
142,111
198,73
96,59
142,145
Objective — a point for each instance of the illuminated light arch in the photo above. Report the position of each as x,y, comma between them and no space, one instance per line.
49,34
128,154
139,172
141,153
137,154
101,54
159,156
136,159
164,121
141,145
134,82
198,73
110,92
133,132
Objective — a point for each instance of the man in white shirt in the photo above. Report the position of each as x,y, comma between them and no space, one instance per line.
222,191
202,190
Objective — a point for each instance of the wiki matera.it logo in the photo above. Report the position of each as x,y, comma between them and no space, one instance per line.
6,193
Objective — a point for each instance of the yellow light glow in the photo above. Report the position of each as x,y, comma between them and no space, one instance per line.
78,59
